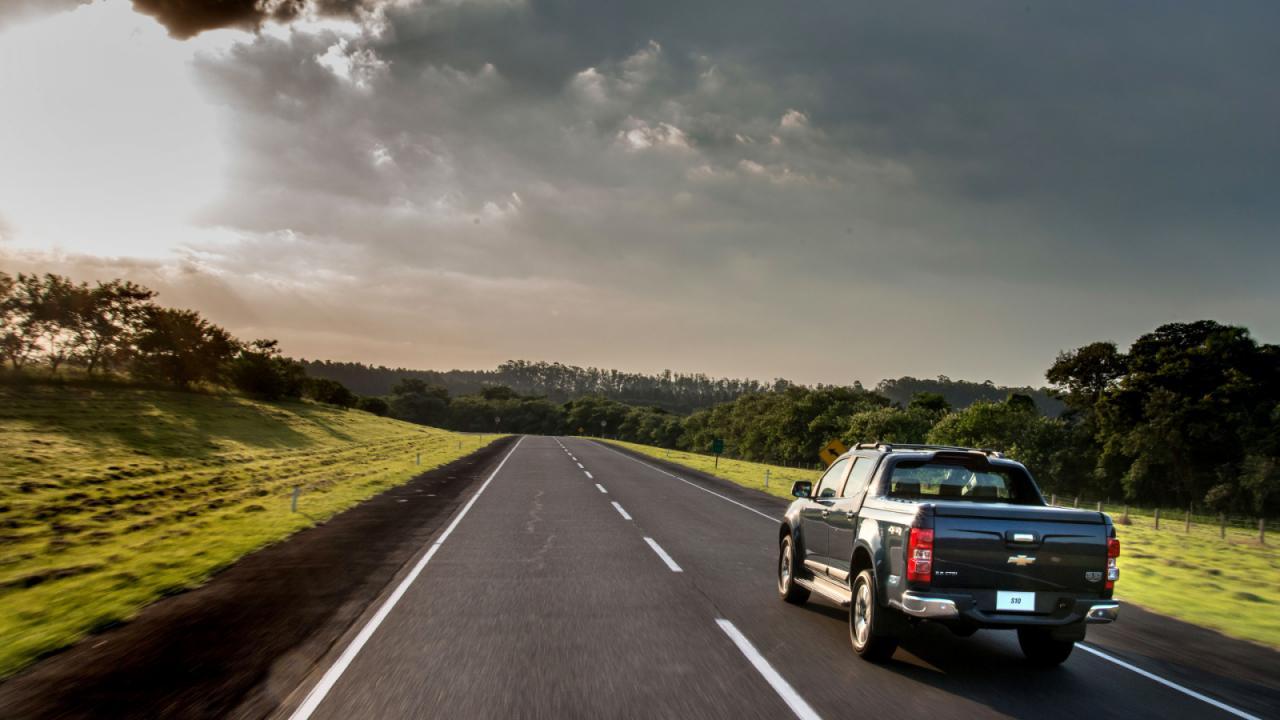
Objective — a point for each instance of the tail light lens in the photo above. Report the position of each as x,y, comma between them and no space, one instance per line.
1113,570
920,555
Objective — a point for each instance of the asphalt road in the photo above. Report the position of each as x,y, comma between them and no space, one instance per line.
584,582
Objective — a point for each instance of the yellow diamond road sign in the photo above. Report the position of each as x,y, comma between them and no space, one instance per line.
833,450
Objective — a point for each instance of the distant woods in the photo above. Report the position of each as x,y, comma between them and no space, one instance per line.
673,392
1188,415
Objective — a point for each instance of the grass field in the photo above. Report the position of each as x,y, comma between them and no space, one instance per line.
1231,584
112,498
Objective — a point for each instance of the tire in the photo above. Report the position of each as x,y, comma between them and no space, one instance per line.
867,622
787,588
1042,649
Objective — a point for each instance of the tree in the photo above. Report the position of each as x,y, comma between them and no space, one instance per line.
414,400
259,369
111,320
15,344
1193,411
891,425
1012,427
929,402
58,315
1021,401
26,314
595,415
182,348
330,392
375,405
1085,373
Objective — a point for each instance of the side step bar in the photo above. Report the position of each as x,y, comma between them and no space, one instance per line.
839,595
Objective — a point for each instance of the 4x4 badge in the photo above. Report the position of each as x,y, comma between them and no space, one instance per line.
1021,560
1093,575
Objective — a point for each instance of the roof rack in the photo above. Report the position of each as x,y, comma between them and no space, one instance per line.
891,447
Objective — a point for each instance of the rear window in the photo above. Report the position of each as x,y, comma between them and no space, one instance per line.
961,480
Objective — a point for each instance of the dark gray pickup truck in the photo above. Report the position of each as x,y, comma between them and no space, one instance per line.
905,534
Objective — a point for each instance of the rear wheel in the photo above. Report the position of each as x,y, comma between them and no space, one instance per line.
1042,649
787,587
867,622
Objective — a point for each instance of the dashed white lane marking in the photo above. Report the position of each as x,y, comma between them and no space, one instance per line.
322,688
690,484
581,466
780,685
601,488
1169,683
589,475
621,512
663,554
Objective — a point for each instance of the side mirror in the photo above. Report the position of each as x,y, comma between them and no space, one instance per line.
802,488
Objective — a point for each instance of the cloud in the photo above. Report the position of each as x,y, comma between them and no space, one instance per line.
726,185
14,11
187,18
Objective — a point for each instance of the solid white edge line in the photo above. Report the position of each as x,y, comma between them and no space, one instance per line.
330,678
663,554
589,475
691,484
780,685
601,488
621,512
1168,683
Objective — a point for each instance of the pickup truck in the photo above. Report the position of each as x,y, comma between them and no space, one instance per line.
908,534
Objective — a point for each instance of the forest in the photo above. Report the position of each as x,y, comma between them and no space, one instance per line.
1187,415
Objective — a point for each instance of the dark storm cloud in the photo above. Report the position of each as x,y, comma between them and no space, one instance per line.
1050,171
187,18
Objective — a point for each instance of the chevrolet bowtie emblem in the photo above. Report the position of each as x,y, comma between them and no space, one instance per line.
1021,560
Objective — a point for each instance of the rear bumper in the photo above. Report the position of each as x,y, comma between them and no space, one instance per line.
1103,612
958,606
928,606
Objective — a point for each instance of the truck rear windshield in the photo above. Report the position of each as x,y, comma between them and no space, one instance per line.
961,480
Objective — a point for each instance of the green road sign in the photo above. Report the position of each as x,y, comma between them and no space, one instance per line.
717,446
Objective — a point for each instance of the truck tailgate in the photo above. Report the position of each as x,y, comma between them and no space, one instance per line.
1023,548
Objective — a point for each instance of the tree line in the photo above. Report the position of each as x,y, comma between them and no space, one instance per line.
48,323
671,391
681,393
1188,415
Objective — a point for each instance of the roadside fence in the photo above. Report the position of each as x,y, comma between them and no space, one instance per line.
1188,520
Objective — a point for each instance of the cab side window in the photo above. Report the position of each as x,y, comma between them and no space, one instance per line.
859,477
829,486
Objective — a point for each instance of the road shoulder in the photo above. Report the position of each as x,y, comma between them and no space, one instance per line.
238,645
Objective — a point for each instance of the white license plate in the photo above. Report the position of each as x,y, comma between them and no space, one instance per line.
1016,601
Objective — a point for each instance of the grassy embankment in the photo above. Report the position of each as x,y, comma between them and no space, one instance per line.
1231,585
112,498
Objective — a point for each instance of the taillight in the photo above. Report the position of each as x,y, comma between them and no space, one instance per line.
920,555
1113,570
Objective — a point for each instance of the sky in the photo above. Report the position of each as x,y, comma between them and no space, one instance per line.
825,191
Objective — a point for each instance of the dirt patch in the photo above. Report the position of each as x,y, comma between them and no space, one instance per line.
238,645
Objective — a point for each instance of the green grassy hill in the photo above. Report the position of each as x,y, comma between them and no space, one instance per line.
1231,585
111,498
